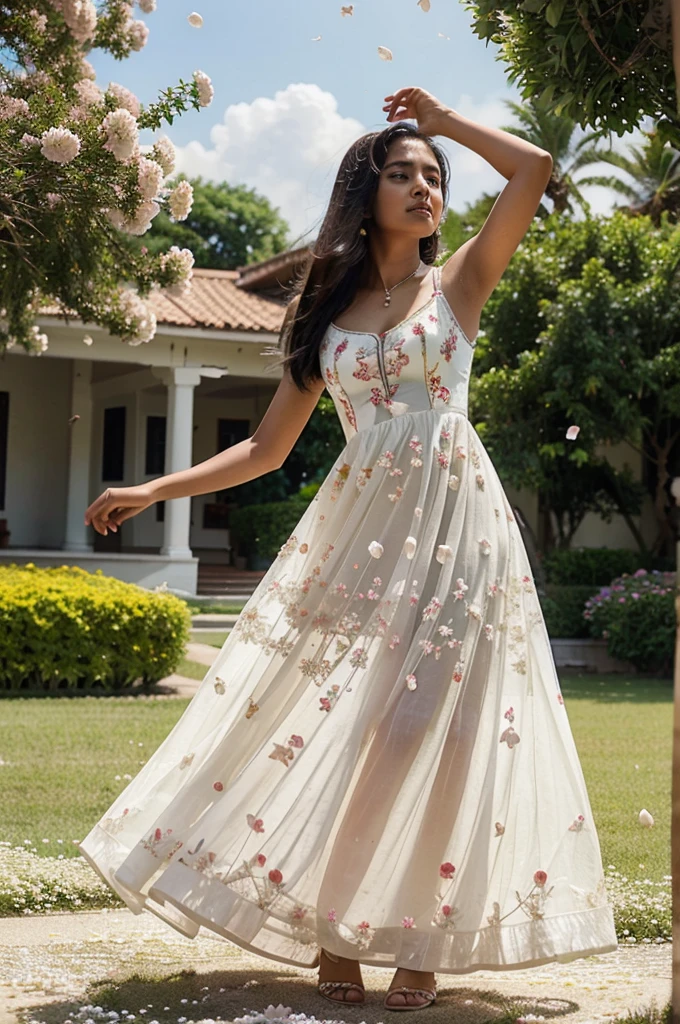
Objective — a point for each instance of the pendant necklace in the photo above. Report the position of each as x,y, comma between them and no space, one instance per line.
388,291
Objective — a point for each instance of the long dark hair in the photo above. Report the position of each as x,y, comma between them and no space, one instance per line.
329,278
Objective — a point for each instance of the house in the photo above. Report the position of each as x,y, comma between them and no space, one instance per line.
80,418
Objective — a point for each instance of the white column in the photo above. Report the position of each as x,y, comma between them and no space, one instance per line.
78,497
180,382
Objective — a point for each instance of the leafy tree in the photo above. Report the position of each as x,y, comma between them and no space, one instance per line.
583,330
229,226
603,65
74,185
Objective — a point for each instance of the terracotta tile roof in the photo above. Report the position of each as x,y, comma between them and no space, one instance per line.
221,299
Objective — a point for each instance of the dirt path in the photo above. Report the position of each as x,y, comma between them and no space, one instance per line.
56,963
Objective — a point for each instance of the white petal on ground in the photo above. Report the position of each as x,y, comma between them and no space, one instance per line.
645,818
384,53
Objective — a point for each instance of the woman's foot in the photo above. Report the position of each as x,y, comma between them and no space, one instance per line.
340,978
409,979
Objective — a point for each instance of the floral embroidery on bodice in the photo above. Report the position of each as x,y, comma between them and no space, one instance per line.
422,363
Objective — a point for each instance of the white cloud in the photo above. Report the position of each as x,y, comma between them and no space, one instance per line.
287,148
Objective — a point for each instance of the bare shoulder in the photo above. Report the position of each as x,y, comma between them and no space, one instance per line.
460,291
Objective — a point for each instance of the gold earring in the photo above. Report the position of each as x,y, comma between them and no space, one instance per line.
362,231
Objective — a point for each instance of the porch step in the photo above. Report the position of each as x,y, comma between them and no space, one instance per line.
222,581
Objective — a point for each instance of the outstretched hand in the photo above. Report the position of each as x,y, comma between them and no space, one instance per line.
115,505
421,106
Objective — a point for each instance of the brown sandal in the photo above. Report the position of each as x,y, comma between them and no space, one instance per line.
326,988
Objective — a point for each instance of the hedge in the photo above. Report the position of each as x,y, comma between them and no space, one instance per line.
66,629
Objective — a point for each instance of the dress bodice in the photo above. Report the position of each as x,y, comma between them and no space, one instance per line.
422,363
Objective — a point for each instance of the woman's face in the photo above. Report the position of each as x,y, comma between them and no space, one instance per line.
410,177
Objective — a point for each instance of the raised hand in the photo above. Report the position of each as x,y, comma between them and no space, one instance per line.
421,106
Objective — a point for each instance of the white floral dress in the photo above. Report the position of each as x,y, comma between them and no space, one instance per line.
379,761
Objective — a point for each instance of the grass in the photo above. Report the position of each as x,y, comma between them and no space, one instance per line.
62,755
213,607
215,638
192,669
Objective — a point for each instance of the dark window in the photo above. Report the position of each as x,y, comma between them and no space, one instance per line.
230,432
155,445
113,447
4,431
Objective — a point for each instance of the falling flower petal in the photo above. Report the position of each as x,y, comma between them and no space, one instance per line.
375,548
87,340
424,5
315,39
195,19
444,552
347,10
410,547
645,818
442,36
384,53
572,433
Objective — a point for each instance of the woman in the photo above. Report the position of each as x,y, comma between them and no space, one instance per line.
379,767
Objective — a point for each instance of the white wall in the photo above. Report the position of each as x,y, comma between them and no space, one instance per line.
38,446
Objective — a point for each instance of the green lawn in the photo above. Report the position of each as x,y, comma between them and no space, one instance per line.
215,637
59,758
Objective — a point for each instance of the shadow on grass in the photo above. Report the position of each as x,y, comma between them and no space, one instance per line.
225,995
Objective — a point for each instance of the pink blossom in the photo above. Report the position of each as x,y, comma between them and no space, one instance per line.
540,878
275,876
446,869
408,922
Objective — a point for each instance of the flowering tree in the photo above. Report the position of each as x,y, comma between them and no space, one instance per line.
74,183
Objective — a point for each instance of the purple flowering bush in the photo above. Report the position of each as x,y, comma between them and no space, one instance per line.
636,616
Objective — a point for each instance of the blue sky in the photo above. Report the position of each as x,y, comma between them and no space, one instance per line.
286,108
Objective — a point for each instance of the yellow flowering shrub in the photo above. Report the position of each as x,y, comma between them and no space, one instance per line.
67,629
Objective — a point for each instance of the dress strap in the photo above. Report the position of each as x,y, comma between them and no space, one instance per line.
436,281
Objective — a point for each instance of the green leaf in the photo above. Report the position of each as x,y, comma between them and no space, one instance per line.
554,12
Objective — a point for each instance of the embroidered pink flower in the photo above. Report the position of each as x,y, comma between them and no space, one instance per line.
296,741
411,681
408,922
325,704
261,860
510,714
363,926
275,876
218,786
396,639
540,878
446,910
332,916
157,834
485,545
560,698
256,824
418,328
446,869
298,913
